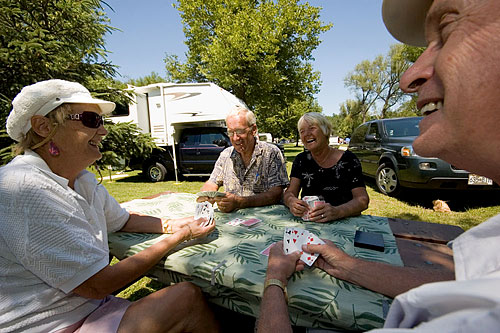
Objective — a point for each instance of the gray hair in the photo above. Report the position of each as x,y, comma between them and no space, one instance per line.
240,110
57,116
315,118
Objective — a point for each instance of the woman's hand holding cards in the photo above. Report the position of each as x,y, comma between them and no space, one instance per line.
199,228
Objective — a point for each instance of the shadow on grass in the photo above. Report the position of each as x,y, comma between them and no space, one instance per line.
458,201
140,178
408,216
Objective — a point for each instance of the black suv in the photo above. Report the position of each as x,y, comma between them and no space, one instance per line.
384,148
196,154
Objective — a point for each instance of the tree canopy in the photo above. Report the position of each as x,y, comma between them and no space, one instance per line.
44,39
376,87
260,50
48,39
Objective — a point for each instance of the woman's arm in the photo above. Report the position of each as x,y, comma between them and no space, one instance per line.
112,278
290,198
327,212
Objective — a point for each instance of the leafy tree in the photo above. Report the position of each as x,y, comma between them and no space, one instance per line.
366,82
40,40
376,83
147,80
44,39
6,153
406,109
260,50
283,122
123,143
396,63
351,116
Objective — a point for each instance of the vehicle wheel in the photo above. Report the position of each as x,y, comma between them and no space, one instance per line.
387,180
156,172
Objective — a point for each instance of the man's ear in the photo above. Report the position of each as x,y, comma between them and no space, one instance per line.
41,125
254,129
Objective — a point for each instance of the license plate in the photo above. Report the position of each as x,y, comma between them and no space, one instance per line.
479,180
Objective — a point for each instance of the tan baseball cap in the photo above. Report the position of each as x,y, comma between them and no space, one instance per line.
405,20
44,96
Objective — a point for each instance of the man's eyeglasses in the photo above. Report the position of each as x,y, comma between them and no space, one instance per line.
230,133
88,118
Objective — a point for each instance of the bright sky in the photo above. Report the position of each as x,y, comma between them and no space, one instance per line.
152,28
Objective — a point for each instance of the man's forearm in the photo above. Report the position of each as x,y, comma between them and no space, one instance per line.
393,280
209,186
273,312
270,197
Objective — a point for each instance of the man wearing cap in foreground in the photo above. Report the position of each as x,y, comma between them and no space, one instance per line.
54,258
456,79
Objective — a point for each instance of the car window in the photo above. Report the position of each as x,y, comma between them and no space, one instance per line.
211,138
191,139
359,134
374,130
402,127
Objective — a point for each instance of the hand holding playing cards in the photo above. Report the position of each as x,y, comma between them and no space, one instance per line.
324,212
297,207
193,227
331,259
212,200
281,266
228,203
198,228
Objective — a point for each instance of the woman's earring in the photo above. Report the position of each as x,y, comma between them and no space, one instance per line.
53,150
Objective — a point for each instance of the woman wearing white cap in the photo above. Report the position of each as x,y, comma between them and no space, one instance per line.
54,260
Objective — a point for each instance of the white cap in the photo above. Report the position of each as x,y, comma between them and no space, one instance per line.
42,97
405,20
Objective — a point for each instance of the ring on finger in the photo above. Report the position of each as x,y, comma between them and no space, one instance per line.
322,216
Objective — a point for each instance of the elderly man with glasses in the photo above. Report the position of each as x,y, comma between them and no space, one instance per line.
252,172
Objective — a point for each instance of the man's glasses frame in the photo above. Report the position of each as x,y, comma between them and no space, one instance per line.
88,118
238,132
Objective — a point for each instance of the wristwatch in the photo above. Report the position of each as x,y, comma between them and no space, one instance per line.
276,282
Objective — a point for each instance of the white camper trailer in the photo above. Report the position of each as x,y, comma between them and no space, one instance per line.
187,119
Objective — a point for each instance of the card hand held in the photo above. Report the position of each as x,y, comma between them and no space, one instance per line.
332,260
281,266
298,207
228,203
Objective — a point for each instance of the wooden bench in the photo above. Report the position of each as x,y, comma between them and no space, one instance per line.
423,244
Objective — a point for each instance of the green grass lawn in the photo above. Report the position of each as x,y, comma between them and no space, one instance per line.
469,209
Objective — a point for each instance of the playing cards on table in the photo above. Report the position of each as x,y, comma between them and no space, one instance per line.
294,238
246,223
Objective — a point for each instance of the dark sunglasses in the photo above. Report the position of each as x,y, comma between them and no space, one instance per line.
88,118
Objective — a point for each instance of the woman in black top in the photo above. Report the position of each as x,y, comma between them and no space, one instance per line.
333,174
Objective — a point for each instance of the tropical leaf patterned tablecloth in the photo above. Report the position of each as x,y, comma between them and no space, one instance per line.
230,256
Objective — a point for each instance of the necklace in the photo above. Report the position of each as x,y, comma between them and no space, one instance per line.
325,159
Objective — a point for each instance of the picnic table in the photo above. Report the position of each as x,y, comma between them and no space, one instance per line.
229,267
